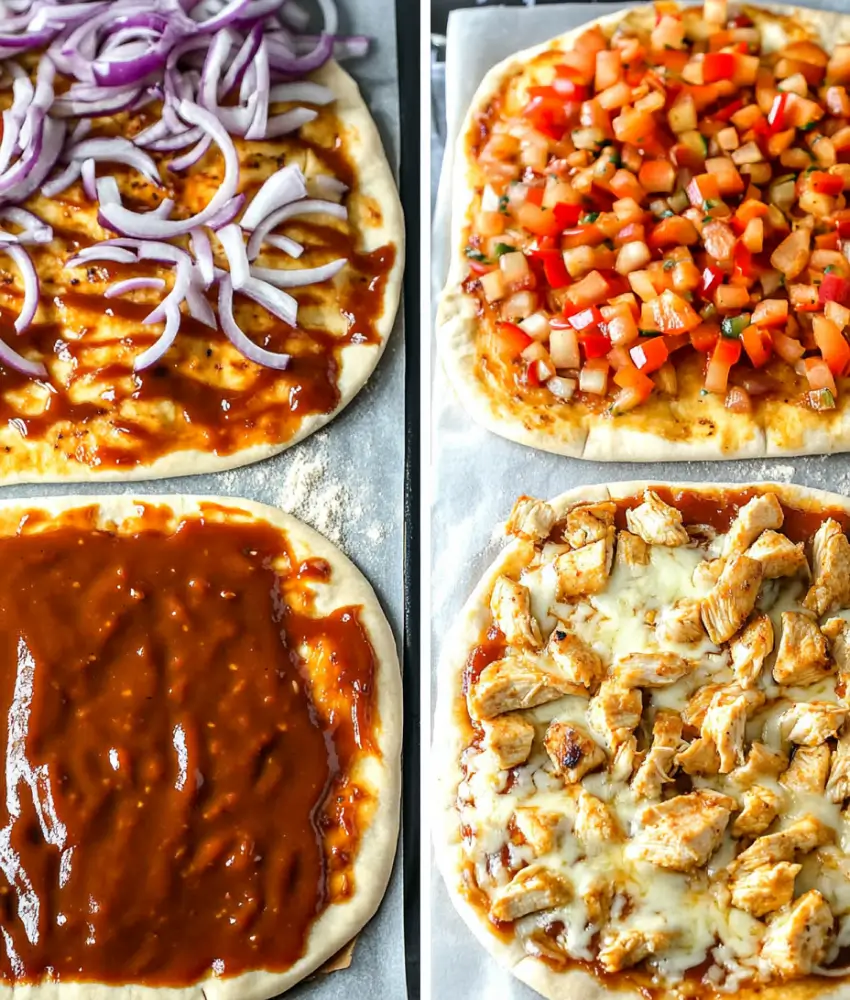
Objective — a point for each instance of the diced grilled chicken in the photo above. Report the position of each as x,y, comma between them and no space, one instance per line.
681,622
765,889
732,598
656,522
632,550
585,570
838,784
830,589
802,657
572,750
510,604
577,660
778,555
596,823
707,573
626,758
597,895
801,837
761,763
699,757
753,518
798,939
539,828
509,739
761,807
650,669
810,723
625,948
808,770
750,648
658,764
837,632
531,519
517,682
725,725
533,889
614,712
698,703
682,833
589,524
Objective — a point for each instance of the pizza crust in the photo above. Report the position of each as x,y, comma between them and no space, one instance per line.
375,184
340,922
451,717
694,427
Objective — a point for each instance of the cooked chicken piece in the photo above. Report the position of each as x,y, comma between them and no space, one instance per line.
838,785
589,524
778,555
578,661
803,657
683,832
708,573
808,770
656,522
533,889
765,889
650,669
699,757
539,828
761,763
732,598
531,519
572,750
725,725
517,682
509,738
681,622
802,836
798,939
624,949
632,551
614,711
753,518
596,823
697,704
510,604
750,648
761,807
830,590
811,723
624,761
585,570
658,763
598,894
837,631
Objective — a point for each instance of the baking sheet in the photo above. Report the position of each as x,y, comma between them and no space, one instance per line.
347,481
477,475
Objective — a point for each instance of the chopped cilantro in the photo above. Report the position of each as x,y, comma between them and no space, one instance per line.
474,254
830,269
669,265
503,203
667,214
808,128
589,217
501,248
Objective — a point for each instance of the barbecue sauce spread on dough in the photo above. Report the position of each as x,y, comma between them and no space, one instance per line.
177,797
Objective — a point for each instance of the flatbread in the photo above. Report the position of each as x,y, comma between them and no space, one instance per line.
452,769
103,449
339,922
694,426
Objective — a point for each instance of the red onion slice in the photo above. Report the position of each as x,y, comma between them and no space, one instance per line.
284,186
114,255
246,347
298,277
328,187
116,150
11,359
307,206
285,244
11,132
61,182
289,121
240,62
182,281
89,177
132,285
257,128
304,90
227,214
224,17
30,278
284,60
195,155
275,300
35,230
153,354
199,307
202,249
233,244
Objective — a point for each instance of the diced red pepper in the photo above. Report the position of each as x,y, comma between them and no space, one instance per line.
742,258
477,267
594,344
776,115
718,66
586,319
553,267
532,374
650,354
825,183
711,277
758,344
725,113
567,215
842,224
547,114
704,338
741,21
534,196
513,340
834,288
566,87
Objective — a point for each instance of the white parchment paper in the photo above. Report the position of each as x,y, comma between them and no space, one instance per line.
477,475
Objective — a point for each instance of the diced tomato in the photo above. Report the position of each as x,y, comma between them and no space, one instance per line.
789,349
676,341
674,231
704,337
819,374
673,314
585,319
758,345
650,354
771,312
834,288
512,340
703,189
657,176
546,113
537,220
832,345
824,183
594,344
567,215
742,260
566,88
718,66
725,354
842,224
534,196
827,241
633,126
711,277
635,388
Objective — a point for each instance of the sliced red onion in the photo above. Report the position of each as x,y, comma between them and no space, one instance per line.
228,15
30,278
89,176
11,132
11,359
61,182
232,241
331,16
202,249
35,230
159,130
246,347
285,244
289,122
227,214
193,156
110,104
199,307
49,149
295,15
326,186
213,65
177,140
284,60
307,206
257,129
284,186
304,90
298,277
240,62
115,255
132,224
116,149
132,285
163,252
182,282
150,357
